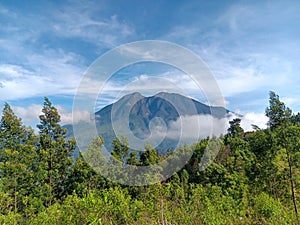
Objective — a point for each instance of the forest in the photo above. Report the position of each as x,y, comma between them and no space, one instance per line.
254,179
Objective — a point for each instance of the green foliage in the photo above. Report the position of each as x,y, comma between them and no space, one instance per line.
17,158
120,150
83,178
239,178
277,112
295,118
267,210
54,154
235,129
149,156
94,156
133,159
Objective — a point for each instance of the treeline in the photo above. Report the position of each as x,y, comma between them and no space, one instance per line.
254,179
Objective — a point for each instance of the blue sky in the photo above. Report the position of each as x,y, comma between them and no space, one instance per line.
251,47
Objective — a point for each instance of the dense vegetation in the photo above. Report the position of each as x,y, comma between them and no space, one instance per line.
255,178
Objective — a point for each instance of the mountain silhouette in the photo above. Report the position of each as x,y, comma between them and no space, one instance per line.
148,119
138,117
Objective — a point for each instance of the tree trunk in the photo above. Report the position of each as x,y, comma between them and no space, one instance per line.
162,212
15,198
292,186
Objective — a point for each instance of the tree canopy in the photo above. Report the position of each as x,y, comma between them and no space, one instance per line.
254,178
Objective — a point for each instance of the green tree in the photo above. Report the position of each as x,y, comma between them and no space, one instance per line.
192,166
133,159
295,118
94,156
54,153
17,158
277,112
288,138
264,172
235,129
149,156
83,178
89,168
120,150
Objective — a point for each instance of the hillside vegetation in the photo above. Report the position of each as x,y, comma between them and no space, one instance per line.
255,178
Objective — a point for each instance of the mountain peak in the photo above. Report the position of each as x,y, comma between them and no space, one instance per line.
141,110
163,94
134,112
133,95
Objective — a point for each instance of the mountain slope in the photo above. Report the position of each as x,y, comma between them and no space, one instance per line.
134,115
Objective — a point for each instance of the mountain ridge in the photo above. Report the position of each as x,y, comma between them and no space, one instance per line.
134,113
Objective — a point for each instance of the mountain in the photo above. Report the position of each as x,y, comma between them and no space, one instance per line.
135,116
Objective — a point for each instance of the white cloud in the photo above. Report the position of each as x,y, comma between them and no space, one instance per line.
248,70
182,33
240,80
53,73
73,117
247,16
42,68
238,16
74,22
30,115
172,81
251,118
247,46
71,20
289,101
18,82
196,127
145,84
190,129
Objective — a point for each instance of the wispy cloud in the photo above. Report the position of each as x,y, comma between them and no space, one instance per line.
250,47
32,65
51,73
172,81
71,20
30,114
105,33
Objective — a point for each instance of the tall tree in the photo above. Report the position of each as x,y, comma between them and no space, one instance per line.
277,112
17,158
287,136
84,178
55,152
149,156
94,156
235,129
288,141
120,149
